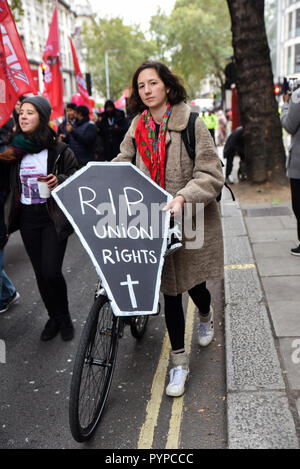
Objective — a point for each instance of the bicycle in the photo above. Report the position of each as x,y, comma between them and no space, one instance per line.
95,363
97,353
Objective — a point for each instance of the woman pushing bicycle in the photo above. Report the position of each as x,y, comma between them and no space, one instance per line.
154,138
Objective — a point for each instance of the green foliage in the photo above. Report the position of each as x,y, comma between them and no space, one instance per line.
271,7
271,11
196,38
159,28
132,49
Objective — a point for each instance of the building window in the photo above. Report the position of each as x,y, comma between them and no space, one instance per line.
298,22
290,25
297,58
289,61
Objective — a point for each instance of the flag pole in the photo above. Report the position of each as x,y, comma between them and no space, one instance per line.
60,56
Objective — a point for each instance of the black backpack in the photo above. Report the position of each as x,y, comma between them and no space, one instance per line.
189,140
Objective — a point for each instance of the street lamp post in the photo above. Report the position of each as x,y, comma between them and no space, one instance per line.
107,70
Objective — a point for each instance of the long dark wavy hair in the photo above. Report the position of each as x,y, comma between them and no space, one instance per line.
44,135
177,92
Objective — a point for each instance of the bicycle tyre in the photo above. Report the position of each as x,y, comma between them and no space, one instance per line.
93,369
139,326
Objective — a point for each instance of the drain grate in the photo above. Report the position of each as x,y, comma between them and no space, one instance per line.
267,212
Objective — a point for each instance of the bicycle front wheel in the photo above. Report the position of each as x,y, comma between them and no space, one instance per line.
93,369
138,326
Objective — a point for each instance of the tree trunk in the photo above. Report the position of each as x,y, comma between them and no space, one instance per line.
265,156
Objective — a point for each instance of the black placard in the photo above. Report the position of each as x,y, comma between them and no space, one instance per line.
117,213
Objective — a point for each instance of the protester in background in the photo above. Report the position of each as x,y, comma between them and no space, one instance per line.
94,117
35,152
234,146
6,132
159,97
8,292
112,128
17,110
69,117
82,136
221,130
99,148
211,122
290,119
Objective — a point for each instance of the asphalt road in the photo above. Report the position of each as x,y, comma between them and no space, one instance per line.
35,380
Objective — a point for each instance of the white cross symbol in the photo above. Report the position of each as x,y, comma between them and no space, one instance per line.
130,284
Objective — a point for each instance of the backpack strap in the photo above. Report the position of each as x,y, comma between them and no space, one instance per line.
133,161
189,140
188,136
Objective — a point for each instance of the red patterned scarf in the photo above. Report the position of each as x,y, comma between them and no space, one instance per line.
152,149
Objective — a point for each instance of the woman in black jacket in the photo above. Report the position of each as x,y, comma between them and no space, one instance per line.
36,153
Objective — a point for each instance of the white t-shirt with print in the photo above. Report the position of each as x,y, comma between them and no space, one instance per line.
32,167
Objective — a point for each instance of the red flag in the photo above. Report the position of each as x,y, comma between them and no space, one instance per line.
15,74
53,80
81,84
121,102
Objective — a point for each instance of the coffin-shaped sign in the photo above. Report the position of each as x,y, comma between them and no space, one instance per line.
117,213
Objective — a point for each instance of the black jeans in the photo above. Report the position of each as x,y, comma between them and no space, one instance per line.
295,191
46,254
174,314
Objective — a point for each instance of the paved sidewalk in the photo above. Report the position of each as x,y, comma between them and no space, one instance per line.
262,321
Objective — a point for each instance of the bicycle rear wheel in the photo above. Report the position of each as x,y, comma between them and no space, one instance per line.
93,369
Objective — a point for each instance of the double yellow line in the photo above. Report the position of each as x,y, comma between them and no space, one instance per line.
146,436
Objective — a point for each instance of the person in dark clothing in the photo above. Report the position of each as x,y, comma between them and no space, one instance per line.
6,132
234,146
35,152
99,147
8,292
82,136
112,126
17,109
69,117
290,119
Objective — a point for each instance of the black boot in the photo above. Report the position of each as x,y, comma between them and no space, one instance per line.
66,328
50,330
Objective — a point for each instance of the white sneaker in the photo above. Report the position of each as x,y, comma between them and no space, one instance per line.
178,378
206,331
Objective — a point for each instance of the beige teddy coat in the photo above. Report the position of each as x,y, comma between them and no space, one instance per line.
199,181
